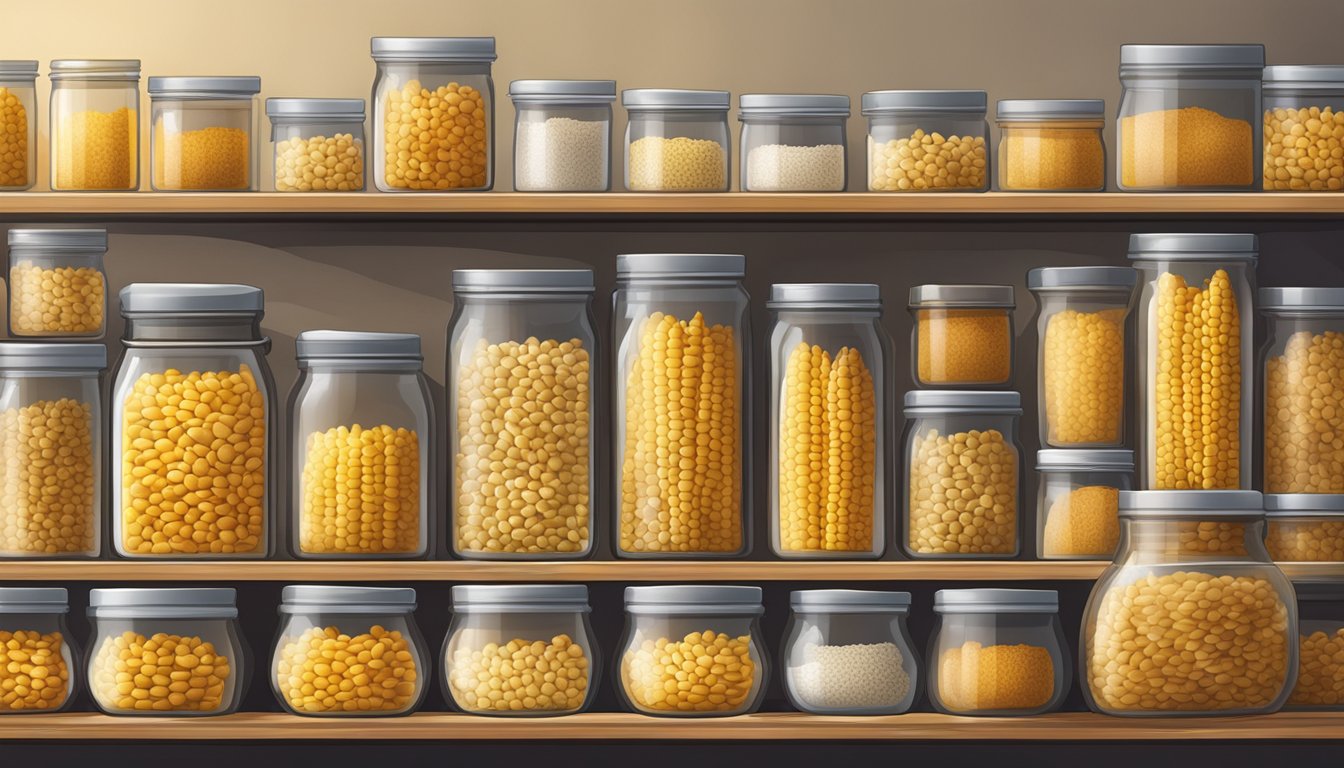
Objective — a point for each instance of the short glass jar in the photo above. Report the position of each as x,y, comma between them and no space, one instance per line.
189,636
1304,128
562,135
1305,527
420,81
848,652
203,134
57,283
927,141
998,652
1320,636
18,125
676,140
520,650
717,624
318,144
362,422
1078,502
793,142
95,125
963,336
1051,145
39,661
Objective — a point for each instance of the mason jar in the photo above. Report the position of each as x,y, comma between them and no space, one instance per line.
676,140
793,142
18,117
1320,635
1304,126
562,135
963,335
1305,527
927,141
318,144
203,134
57,284
1078,502
95,125
1052,145
39,660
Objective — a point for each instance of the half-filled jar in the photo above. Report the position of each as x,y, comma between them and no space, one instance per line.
793,142
203,133
963,335
1051,145
318,144
1304,128
1305,527
1320,637
95,125
676,140
18,125
927,141
562,135
39,661
57,284
1078,502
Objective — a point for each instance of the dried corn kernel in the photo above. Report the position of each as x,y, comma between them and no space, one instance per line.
319,164
978,678
1036,157
55,301
964,346
48,479
702,672
206,159
1320,671
435,139
1083,373
1304,149
97,150
1307,540
361,491
1304,415
162,673
1212,538
1086,521
520,676
324,671
14,171
33,672
963,494
1185,147
677,165
926,161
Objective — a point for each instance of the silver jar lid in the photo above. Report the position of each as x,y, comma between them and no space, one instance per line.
433,48
317,109
896,102
563,91
18,69
1009,110
205,87
946,400
166,603
1304,504
996,601
191,298
721,265
19,356
675,99
1085,460
1307,299
694,600
1308,77
523,281
34,600
1196,56
862,296
1202,504
1183,246
325,598
95,69
357,345
988,296
792,105
59,239
849,601
521,598
1082,278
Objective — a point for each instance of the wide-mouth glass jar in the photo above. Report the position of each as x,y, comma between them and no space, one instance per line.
682,485
676,140
927,141
848,652
362,422
1305,527
717,627
997,652
18,118
57,284
166,652
1304,125
1320,636
318,144
793,142
520,650
1051,145
203,133
200,486
963,335
1078,502
434,113
522,355
562,135
39,661
95,125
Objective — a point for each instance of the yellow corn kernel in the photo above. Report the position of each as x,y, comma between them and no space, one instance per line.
1304,415
96,150
974,677
964,346
33,673
319,164
1085,521
702,672
210,158
1185,147
48,479
1307,540
435,139
361,491
14,140
1083,373
927,161
324,671
519,675
55,301
1320,672
677,165
1304,149
1033,157
197,672
963,494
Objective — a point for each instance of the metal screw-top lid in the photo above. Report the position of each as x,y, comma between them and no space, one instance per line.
191,298
564,91
675,99
895,102
202,602
1308,77
824,296
989,296
34,600
59,239
849,601
523,280
18,69
205,87
1202,504
996,601
1009,110
318,109
357,345
1309,299
1082,278
1183,246
792,104
299,598
95,69
939,400
433,48
1085,460
696,600
531,598
18,356
1196,56
1304,504
720,265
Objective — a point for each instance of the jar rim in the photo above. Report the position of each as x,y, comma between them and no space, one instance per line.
463,49
36,600
578,92
88,239
849,601
316,109
523,281
159,602
209,87
191,298
996,600
21,356
929,401
684,265
1187,504
1011,110
316,345
319,598
792,105
915,101
1088,278
1307,299
1193,56
1194,246
18,69
694,600
1282,505
855,296
523,598
1085,460
933,295
675,99
94,69
1304,77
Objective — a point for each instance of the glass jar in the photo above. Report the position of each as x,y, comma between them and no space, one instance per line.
963,335
998,652
1078,502
562,135
18,117
417,77
1305,527
203,134
1192,617
39,661
57,285
927,141
318,144
1052,145
1189,118
828,394
848,652
329,638
676,140
793,142
716,624
521,650
681,480
363,447
95,125
1082,361
1320,635
1195,286
189,636
521,355
195,353
1303,127
51,451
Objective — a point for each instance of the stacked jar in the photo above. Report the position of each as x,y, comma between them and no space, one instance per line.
18,125
676,140
39,660
1320,636
1305,527
95,125
963,335
1078,502
57,285
203,134
927,141
793,142
319,144
562,135
1304,128
1052,145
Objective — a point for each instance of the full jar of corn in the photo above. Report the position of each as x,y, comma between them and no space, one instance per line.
95,125
193,424
828,394
793,142
318,144
166,652
1305,527
1304,128
57,284
18,125
363,447
562,135
1195,376
521,405
963,336
39,661
998,652
1078,502
434,114
1051,145
927,141
676,140
1320,638
349,652
716,627
203,134
520,650
682,394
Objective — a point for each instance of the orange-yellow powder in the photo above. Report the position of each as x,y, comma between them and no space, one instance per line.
1186,147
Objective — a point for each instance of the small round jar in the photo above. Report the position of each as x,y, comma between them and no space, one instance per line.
520,650
927,141
998,652
1078,502
39,661
1305,527
1304,128
793,142
57,284
18,125
562,135
676,140
203,134
318,144
1320,636
189,636
963,336
717,626
95,125
848,652
1051,145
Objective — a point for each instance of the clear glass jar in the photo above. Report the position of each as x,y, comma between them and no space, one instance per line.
1303,368
998,652
189,636
963,336
1192,617
970,437
562,135
421,152
1305,527
1320,635
1082,360
1051,145
318,144
362,434
1303,128
57,284
18,118
848,652
95,125
828,393
51,451
927,141
521,356
203,134
39,660
716,624
694,501
1078,502
1189,118
793,142
195,353
1195,286
520,650
676,140
329,637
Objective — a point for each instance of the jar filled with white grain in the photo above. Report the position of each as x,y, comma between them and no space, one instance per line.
927,141
793,142
676,140
319,144
562,135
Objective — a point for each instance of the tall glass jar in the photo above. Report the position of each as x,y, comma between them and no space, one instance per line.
927,141
963,336
203,133
829,388
1320,636
1305,527
434,114
682,487
57,284
18,118
39,661
1304,120
793,142
1078,502
318,144
200,486
562,135
362,423
1051,145
1195,378
1192,618
95,125
676,140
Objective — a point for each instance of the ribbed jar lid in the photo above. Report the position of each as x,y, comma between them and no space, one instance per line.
1304,504
95,69
433,48
20,355
675,99
191,298
922,296
18,68
34,600
996,601
59,239
694,600
721,265
1306,299
884,102
1085,460
938,400
863,296
357,345
1306,77
1082,278
299,598
318,109
1009,110
564,91
1214,56
795,104
523,280
152,602
530,598
1183,246
849,601
205,87
1201,504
